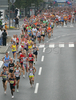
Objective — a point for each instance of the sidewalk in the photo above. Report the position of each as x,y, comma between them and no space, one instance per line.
3,49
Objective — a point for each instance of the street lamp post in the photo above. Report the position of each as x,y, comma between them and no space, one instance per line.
9,14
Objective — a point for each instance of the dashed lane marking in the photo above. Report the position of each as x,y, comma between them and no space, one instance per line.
42,59
44,49
36,88
40,70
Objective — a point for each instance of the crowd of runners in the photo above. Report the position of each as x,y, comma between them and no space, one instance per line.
24,46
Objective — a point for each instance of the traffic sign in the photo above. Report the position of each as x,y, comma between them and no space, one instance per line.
12,1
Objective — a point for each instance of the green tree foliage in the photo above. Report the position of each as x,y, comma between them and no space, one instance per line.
26,3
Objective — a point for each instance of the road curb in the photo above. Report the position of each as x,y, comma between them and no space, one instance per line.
3,49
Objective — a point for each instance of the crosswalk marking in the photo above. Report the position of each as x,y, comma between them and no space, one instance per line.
51,46
61,45
1,63
64,26
71,26
71,45
41,46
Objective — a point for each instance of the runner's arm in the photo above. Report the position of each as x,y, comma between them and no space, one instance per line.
1,74
3,59
37,49
34,70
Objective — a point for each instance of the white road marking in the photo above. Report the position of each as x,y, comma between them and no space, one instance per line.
1,63
40,70
42,59
71,44
58,36
63,35
58,26
51,46
71,26
7,44
44,49
41,46
64,26
36,88
61,45
55,38
8,52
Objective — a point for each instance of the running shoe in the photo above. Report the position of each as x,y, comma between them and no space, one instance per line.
17,90
4,92
23,76
12,97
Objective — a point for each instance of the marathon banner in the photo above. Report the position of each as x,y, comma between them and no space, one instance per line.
66,1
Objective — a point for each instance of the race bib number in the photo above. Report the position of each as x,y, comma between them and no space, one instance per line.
30,58
11,68
4,76
12,82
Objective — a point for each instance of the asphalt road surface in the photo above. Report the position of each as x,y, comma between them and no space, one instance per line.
55,78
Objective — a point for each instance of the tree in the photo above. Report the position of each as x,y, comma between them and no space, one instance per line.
26,3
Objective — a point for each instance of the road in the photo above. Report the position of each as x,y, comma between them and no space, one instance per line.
55,78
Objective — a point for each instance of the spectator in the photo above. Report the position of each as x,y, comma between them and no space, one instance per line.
1,23
16,22
4,36
1,37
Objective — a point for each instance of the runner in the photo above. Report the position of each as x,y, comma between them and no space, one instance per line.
21,34
43,34
34,31
17,43
26,46
62,20
25,64
21,62
31,71
11,66
4,75
26,35
39,35
56,20
12,82
17,75
13,47
35,51
31,56
13,39
22,42
30,43
52,27
29,32
49,31
6,60
65,19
